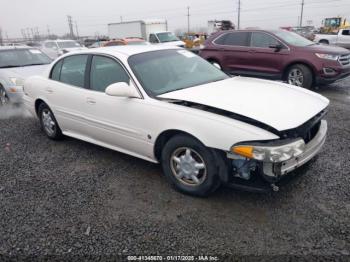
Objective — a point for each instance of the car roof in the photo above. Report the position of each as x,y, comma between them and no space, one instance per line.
126,50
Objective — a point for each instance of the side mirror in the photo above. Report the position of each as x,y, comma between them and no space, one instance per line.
277,47
122,89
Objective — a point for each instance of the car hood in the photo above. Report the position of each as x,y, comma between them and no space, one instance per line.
328,49
24,71
278,105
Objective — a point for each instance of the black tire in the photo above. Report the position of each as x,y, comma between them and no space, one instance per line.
306,73
209,176
4,100
324,41
54,132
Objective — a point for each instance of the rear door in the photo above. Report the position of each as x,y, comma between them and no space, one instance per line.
66,91
234,51
265,59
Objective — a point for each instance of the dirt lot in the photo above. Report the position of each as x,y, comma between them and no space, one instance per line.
71,197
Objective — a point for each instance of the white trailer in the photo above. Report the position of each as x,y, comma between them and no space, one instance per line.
152,30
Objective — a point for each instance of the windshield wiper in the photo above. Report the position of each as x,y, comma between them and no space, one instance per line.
34,64
9,66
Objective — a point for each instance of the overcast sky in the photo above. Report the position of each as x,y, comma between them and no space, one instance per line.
92,16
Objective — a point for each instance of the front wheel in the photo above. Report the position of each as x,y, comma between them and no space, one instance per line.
48,122
300,75
190,166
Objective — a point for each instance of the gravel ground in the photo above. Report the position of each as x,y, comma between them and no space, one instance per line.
75,198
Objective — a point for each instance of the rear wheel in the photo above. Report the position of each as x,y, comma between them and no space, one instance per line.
324,41
3,96
48,122
190,166
299,75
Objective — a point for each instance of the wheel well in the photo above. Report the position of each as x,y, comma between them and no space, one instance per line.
37,104
323,41
164,137
212,60
299,63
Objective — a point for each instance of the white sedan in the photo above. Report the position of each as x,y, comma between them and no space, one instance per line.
169,106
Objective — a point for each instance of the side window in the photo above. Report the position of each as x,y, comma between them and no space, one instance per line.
153,38
263,40
73,70
56,71
346,32
237,39
221,39
106,71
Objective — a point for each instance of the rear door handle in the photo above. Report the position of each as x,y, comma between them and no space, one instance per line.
90,101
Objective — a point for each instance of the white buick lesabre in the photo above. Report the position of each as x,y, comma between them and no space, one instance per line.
170,106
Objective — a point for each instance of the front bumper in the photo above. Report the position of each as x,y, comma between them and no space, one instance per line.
342,72
268,176
276,170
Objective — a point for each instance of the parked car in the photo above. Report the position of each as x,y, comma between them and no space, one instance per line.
16,64
342,38
277,54
125,41
56,48
169,106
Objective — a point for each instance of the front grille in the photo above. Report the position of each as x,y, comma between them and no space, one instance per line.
344,59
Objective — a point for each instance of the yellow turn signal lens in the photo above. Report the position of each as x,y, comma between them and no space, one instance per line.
246,151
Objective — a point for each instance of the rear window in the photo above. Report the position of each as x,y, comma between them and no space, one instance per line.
234,39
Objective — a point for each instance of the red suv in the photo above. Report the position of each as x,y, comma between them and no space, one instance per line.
277,54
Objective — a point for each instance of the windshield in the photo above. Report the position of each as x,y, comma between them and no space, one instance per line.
165,71
22,57
293,38
68,44
167,37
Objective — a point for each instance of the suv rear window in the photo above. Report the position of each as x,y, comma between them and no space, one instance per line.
234,39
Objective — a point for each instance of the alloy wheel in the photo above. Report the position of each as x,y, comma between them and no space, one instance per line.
295,77
188,166
48,122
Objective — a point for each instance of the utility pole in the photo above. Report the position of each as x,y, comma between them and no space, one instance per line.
188,19
76,29
301,15
0,36
121,19
70,25
48,32
239,15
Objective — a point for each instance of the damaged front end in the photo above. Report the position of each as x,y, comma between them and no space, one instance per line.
259,166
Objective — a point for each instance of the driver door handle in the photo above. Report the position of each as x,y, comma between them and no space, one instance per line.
90,101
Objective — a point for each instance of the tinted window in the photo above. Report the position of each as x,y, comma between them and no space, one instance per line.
237,39
221,40
73,70
263,40
56,71
106,71
153,39
346,32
